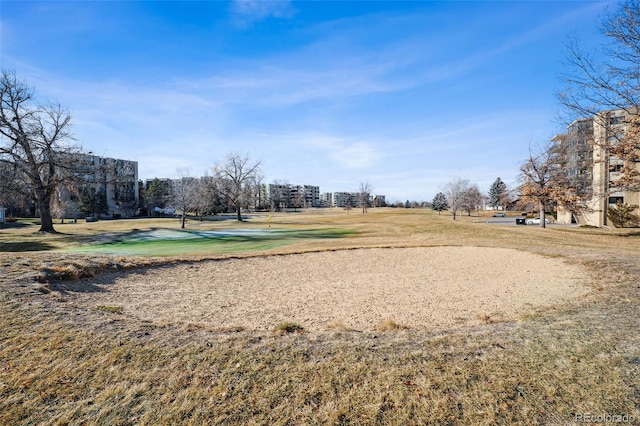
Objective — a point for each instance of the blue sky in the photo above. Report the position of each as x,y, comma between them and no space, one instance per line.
403,94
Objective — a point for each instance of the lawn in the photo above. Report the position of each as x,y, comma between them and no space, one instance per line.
62,363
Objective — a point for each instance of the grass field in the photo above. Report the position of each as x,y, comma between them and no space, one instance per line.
556,365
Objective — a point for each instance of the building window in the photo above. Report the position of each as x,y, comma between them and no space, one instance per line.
614,200
616,119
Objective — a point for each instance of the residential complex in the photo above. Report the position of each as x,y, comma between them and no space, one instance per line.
284,195
350,199
112,179
593,168
109,187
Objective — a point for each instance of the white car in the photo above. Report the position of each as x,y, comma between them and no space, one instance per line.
536,221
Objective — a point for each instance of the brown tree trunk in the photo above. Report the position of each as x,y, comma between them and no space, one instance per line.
543,222
44,207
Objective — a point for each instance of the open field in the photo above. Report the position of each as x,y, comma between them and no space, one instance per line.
539,326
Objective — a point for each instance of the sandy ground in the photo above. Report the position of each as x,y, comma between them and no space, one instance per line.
416,287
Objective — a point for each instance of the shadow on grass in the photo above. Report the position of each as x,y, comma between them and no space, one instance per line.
10,225
76,287
25,246
142,242
277,234
635,234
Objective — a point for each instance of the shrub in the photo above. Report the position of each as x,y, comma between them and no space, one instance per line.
389,324
622,216
288,327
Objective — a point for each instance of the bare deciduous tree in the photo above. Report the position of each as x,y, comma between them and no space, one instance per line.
203,196
472,199
364,193
183,194
455,191
541,178
12,189
237,171
279,194
35,140
628,151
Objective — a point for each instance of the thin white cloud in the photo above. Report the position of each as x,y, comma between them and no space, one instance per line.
281,82
350,155
246,12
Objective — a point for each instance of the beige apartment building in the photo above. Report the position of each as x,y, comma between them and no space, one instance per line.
596,170
116,179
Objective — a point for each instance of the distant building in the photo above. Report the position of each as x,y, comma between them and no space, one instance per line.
286,196
326,199
343,199
148,182
379,201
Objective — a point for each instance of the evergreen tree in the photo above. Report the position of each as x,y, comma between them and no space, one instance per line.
157,194
93,202
497,193
622,216
439,202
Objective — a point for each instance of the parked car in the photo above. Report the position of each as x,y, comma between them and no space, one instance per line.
499,215
536,221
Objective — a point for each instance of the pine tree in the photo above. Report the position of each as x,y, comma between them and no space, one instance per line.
439,202
93,202
622,215
497,193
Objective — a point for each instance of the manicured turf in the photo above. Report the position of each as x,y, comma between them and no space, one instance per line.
180,242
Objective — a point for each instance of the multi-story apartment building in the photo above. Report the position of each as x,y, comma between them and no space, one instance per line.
279,195
287,195
593,168
326,199
305,196
343,199
349,199
114,179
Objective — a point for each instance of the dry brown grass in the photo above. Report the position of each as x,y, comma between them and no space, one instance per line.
64,366
388,324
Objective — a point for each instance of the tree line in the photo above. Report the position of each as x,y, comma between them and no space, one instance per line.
460,195
236,183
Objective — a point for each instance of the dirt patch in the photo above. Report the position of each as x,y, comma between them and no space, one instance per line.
358,289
